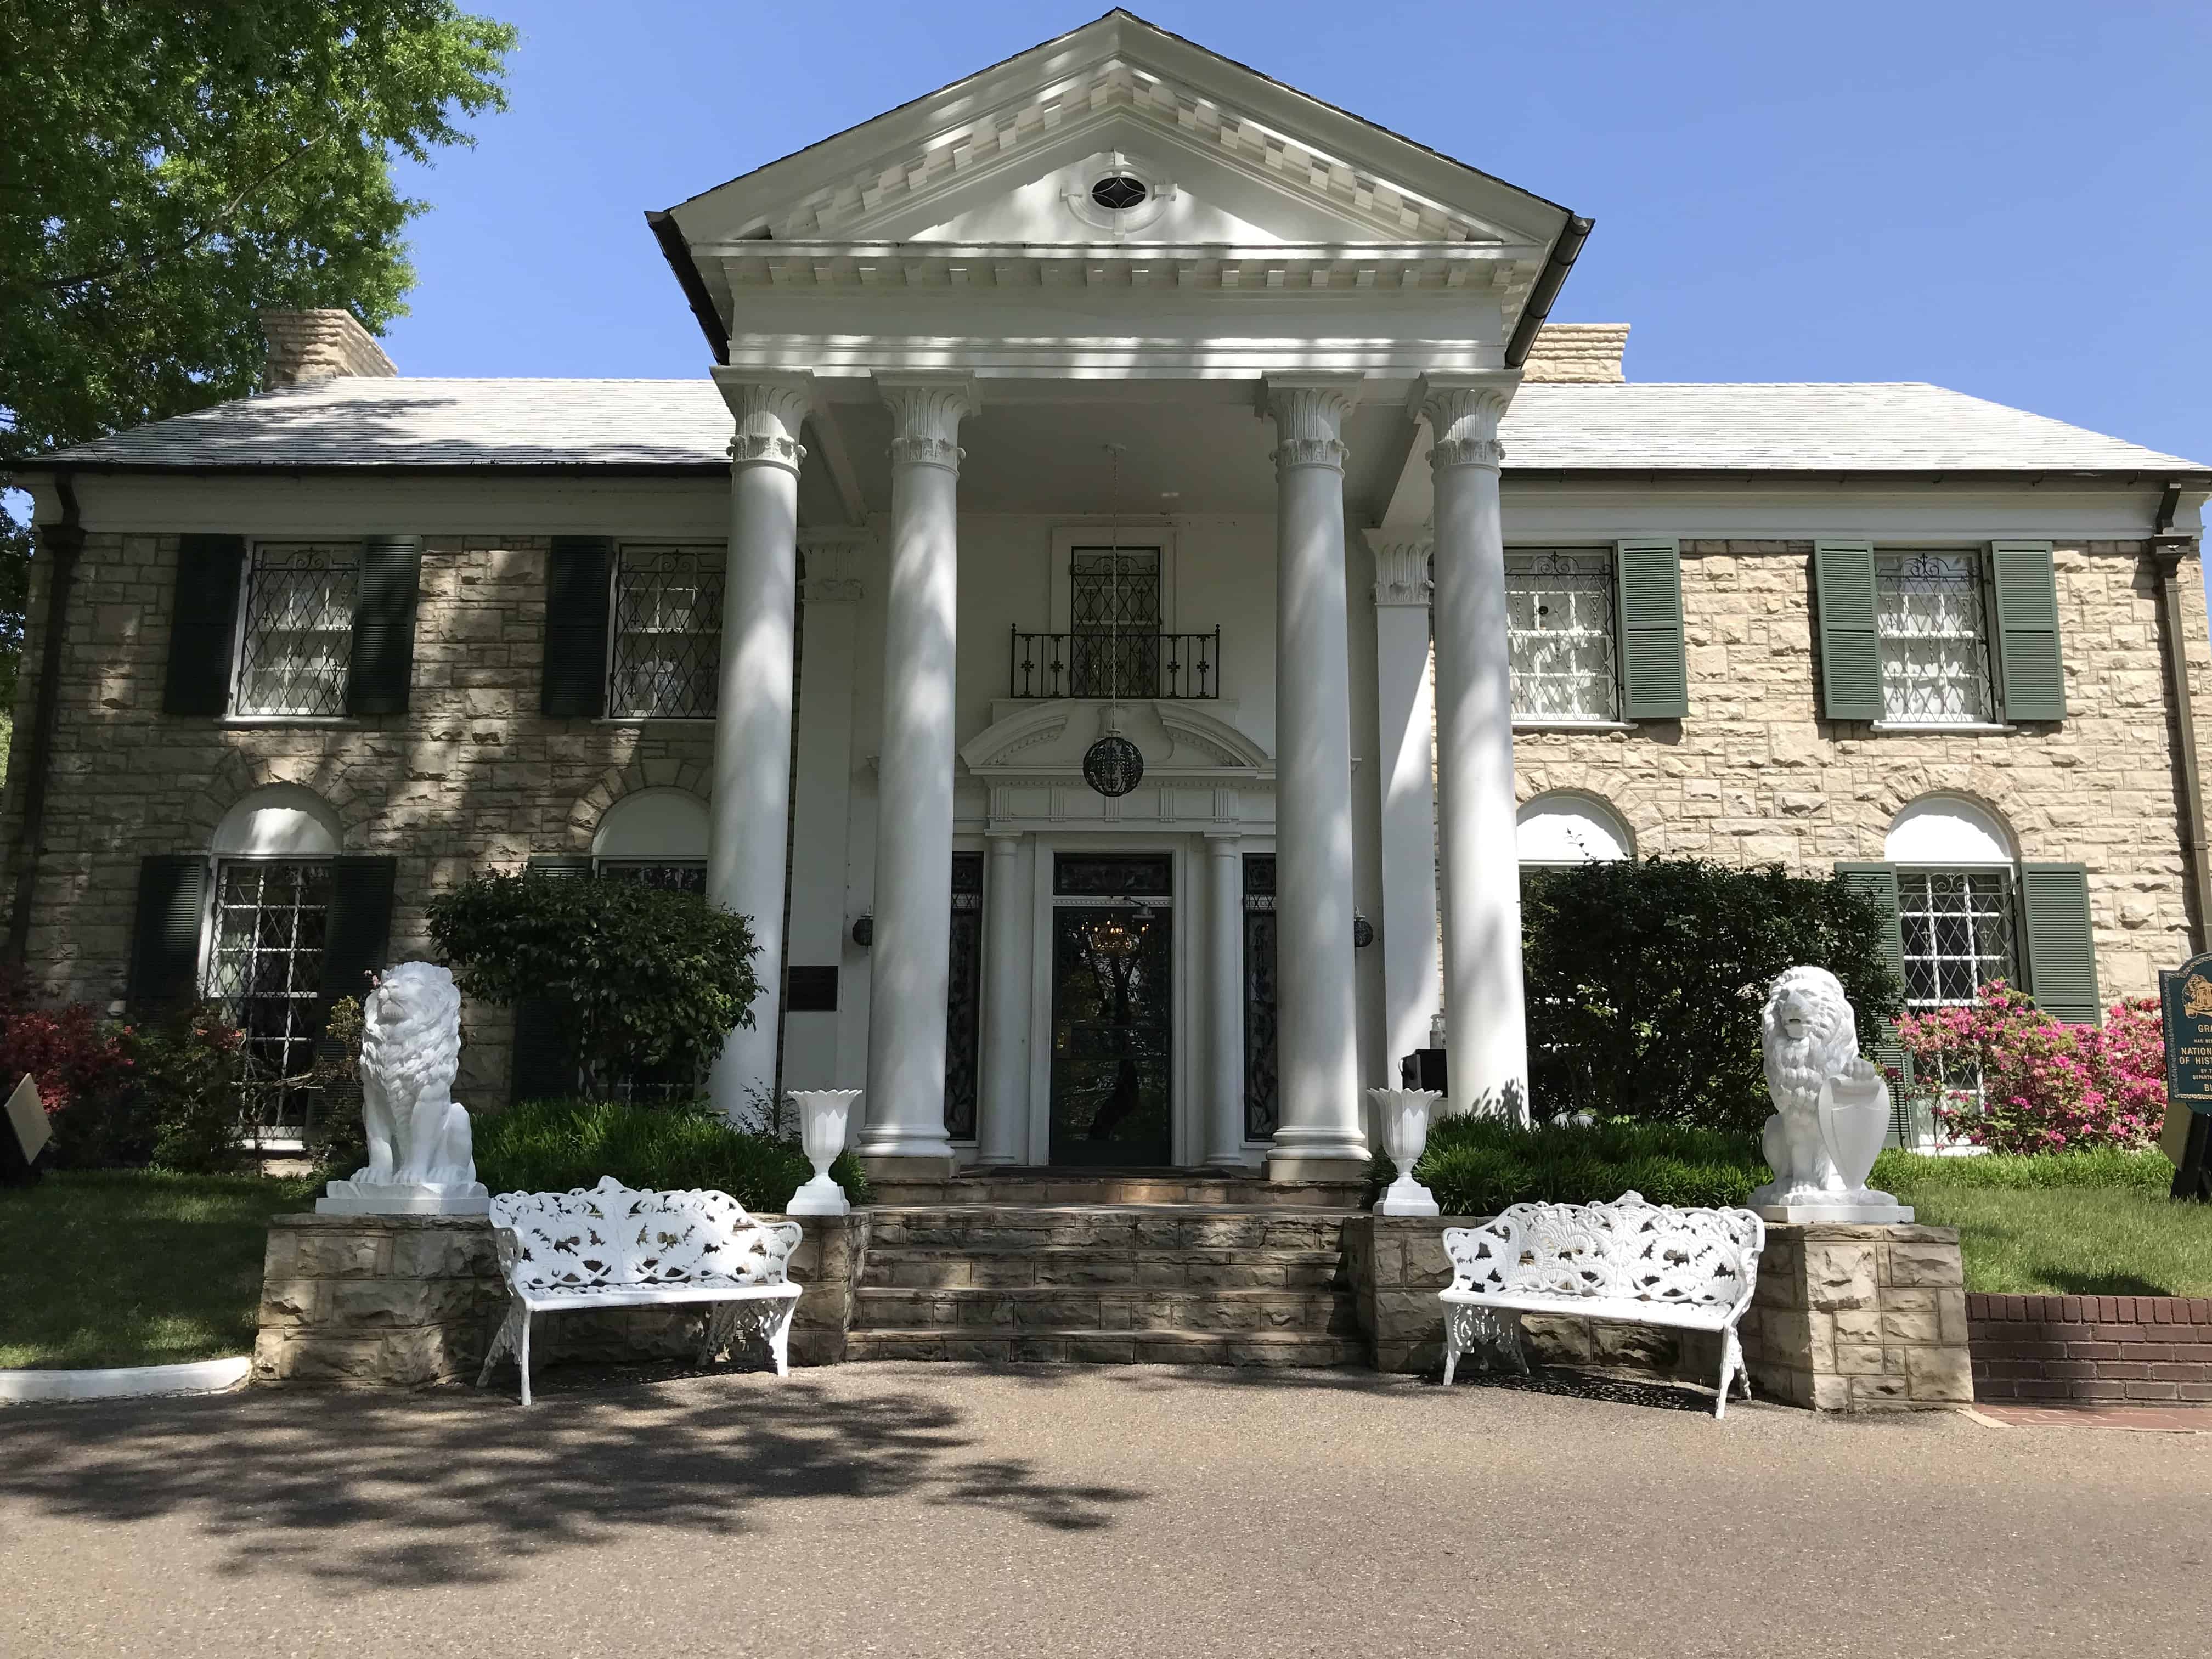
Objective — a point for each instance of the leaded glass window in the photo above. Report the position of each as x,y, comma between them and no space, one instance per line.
296,642
1260,1099
667,636
1957,932
1559,634
676,875
1113,619
1933,627
964,1004
265,972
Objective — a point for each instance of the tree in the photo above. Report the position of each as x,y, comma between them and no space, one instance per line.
172,165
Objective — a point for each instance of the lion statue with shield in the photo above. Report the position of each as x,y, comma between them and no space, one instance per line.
1832,1107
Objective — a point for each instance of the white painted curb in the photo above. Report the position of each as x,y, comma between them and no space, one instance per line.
121,1381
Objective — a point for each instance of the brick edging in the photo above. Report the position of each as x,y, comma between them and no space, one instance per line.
2091,1348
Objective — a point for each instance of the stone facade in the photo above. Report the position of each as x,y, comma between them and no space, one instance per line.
400,1301
1860,1319
472,777
2133,1348
1755,775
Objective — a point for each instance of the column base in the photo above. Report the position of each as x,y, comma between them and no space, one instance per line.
1314,1166
904,1167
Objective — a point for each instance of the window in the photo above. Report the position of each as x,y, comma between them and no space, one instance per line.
296,642
1558,830
666,650
1114,616
265,972
1931,624
1559,634
1957,930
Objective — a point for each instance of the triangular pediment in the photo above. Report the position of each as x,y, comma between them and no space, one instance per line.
1249,160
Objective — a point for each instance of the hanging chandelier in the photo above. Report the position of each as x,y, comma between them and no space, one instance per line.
1113,765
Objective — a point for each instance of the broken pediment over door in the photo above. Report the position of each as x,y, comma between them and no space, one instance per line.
1200,771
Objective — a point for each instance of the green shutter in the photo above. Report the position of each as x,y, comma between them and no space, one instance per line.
165,937
1879,882
1653,675
384,625
577,571
357,930
203,623
2032,672
545,1060
1851,655
2062,951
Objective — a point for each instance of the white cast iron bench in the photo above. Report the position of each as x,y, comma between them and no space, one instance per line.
615,1246
1647,1264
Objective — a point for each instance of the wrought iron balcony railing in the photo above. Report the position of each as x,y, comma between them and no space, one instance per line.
1103,664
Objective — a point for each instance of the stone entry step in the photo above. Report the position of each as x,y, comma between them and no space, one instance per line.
1103,1228
916,1267
1063,1187
1125,1308
1256,1348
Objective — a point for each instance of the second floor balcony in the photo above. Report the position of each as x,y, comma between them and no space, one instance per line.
1100,663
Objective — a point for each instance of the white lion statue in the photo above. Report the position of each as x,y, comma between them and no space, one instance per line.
1831,1105
410,1051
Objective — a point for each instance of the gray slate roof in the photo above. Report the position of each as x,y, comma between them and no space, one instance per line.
1904,426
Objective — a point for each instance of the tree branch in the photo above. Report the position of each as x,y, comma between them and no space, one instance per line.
147,261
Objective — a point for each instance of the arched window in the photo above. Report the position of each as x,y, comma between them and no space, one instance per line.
1956,899
273,854
658,836
1563,827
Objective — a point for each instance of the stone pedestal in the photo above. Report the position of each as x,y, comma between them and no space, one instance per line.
1857,1318
399,1301
359,1198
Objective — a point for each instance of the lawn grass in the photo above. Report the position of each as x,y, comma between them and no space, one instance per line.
2067,1239
134,1268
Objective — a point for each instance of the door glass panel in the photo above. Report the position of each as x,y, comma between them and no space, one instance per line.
1112,1026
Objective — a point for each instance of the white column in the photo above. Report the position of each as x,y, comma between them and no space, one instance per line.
1413,949
749,822
1485,1017
910,968
1320,1133
1002,1136
1224,1000
822,798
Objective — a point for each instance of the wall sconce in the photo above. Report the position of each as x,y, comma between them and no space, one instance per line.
1362,932
864,929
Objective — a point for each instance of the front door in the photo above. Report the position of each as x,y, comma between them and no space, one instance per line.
1112,995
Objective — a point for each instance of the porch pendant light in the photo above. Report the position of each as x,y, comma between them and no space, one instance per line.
1112,765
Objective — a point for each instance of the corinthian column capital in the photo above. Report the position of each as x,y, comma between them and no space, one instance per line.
926,413
1308,415
769,410
1463,412
1402,565
835,559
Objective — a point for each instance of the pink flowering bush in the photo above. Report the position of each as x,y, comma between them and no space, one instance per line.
2045,1087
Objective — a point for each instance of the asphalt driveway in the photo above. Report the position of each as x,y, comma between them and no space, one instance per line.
940,1510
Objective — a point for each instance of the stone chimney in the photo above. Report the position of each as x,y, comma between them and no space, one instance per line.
306,346
1577,351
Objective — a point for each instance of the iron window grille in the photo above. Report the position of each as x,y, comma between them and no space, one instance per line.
1932,624
295,637
1113,620
265,974
1958,931
675,875
1560,635
666,650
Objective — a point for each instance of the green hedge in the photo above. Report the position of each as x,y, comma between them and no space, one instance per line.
555,1146
1479,1165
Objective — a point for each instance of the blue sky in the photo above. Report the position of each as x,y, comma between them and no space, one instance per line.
2009,199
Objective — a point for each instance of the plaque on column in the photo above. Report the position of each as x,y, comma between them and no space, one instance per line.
2185,1001
24,1133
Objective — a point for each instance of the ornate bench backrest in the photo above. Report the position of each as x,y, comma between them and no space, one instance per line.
614,1235
1630,1249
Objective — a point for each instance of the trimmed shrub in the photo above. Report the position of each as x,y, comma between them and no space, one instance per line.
1645,979
2107,1168
647,979
557,1145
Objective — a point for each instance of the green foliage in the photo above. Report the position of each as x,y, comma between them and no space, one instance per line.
1479,1165
2107,1168
648,979
189,1069
556,1146
170,168
1645,980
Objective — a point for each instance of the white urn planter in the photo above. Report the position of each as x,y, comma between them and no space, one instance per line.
823,1115
1405,1116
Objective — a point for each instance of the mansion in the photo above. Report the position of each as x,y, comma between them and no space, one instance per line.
1137,577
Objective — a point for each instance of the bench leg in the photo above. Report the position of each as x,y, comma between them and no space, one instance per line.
1453,1326
1732,1367
522,1355
503,1340
779,1337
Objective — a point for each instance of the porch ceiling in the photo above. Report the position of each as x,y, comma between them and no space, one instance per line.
1205,451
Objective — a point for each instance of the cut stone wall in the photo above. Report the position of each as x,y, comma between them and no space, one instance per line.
318,345
1860,1319
2091,1348
369,1301
1756,776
